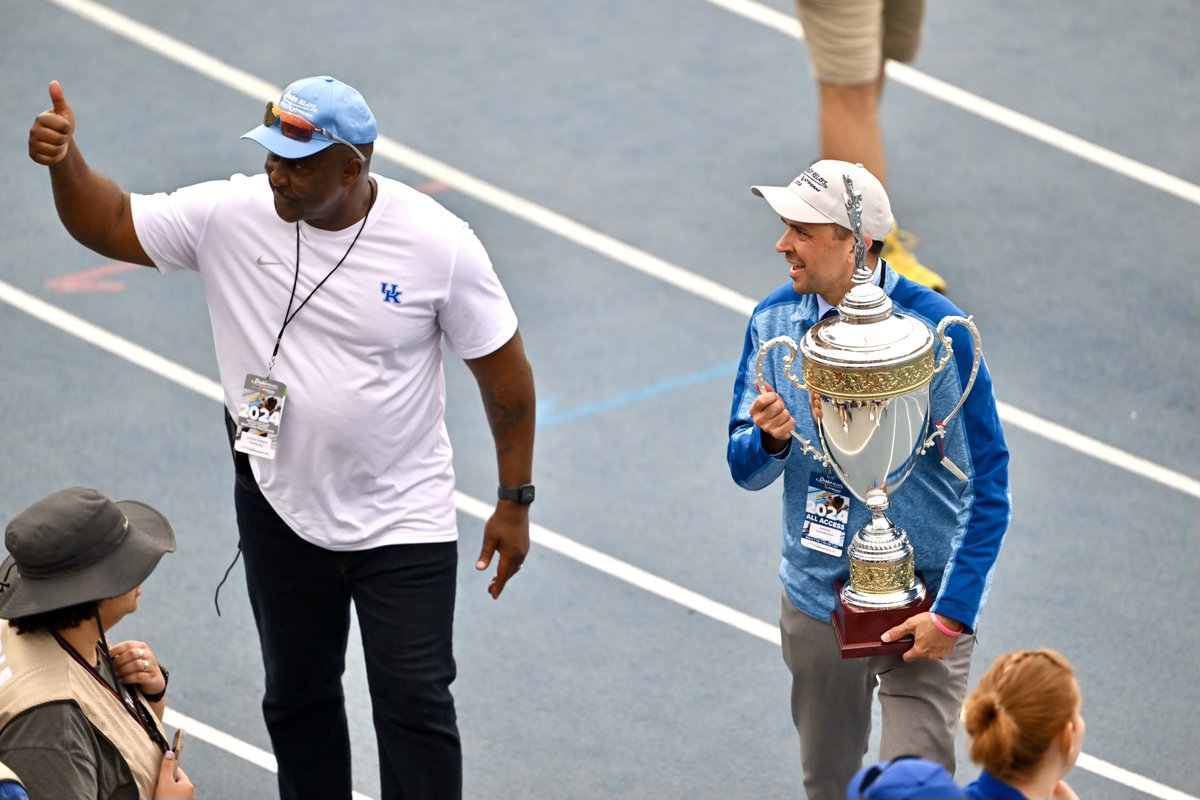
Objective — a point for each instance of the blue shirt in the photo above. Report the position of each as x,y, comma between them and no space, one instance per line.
11,790
956,527
989,787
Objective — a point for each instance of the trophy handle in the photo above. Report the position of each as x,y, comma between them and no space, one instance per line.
977,353
788,359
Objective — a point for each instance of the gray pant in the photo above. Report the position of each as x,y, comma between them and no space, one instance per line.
831,703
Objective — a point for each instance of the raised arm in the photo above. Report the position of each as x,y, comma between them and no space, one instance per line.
92,207
506,384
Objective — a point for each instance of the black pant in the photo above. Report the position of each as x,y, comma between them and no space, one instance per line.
404,597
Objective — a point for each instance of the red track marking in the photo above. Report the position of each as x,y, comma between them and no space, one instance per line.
429,187
90,280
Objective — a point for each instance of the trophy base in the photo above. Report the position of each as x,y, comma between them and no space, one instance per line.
858,629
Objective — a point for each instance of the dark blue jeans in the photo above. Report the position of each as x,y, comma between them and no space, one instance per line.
404,597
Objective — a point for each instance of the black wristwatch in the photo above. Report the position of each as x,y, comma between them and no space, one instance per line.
154,698
522,494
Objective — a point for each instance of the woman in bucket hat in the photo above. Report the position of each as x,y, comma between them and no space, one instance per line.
79,718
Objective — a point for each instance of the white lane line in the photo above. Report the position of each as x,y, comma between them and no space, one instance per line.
566,228
994,112
221,740
544,537
786,24
1098,450
230,744
117,345
630,574
244,83
1011,415
1046,134
1131,779
539,216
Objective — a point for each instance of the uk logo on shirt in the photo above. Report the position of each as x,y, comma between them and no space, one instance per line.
390,293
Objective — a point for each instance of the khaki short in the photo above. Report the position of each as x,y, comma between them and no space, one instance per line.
848,39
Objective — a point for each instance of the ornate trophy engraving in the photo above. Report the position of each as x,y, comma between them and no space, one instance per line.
867,371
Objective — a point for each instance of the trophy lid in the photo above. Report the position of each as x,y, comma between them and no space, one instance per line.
847,357
867,351
876,338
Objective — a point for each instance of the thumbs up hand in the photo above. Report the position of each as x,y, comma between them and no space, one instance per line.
50,136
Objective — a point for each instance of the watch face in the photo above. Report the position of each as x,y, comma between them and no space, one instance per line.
520,494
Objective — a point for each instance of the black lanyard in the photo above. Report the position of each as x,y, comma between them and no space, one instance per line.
289,315
121,693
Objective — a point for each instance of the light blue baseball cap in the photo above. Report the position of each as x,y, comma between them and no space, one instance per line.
336,111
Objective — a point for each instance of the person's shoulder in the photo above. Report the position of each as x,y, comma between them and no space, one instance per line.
409,207
989,787
237,189
242,181
394,191
54,750
920,299
60,712
237,186
53,725
234,184
782,295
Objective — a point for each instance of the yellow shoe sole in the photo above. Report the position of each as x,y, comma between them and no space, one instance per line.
897,251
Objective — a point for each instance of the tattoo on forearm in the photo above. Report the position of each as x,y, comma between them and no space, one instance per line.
503,414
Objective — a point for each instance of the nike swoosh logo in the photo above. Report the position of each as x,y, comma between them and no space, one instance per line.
262,263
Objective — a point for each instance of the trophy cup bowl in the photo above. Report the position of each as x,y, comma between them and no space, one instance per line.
867,371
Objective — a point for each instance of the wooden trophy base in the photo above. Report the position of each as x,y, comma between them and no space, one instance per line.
858,628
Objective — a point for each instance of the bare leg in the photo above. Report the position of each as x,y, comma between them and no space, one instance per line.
850,125
850,132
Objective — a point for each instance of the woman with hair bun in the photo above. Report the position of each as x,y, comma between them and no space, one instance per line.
1024,722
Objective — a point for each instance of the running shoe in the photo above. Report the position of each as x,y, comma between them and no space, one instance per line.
898,251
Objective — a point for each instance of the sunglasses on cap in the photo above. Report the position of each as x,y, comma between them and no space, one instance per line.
294,126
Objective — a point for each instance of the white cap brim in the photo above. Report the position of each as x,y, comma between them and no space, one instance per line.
790,205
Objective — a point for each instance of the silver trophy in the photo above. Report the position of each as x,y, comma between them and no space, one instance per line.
867,371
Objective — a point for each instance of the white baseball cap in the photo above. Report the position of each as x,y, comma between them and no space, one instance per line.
819,195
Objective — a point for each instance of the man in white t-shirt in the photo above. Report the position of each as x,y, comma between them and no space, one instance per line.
330,291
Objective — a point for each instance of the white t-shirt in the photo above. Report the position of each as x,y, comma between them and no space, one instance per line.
363,458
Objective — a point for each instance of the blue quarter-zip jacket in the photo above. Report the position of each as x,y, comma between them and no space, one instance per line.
956,527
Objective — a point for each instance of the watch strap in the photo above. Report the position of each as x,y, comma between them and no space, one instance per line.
522,494
154,698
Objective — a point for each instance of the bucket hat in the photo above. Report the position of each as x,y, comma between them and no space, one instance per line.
76,546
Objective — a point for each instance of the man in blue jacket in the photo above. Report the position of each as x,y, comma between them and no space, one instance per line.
956,525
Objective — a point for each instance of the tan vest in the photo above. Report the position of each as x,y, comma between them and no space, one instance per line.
35,670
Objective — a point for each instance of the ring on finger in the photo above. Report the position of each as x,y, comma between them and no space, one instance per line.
145,665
